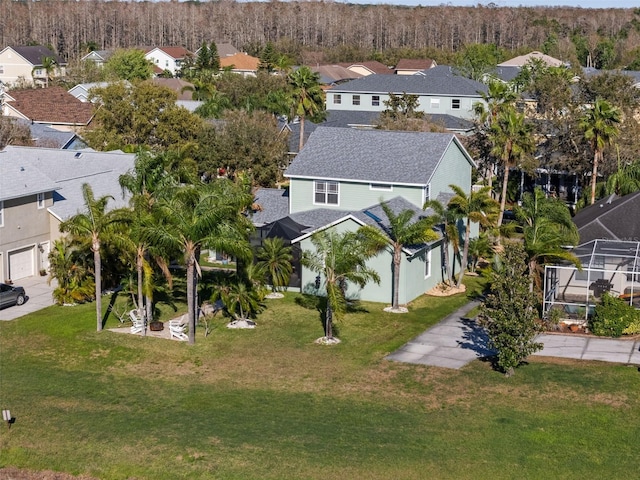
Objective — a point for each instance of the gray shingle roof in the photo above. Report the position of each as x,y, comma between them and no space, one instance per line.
64,171
408,158
274,204
441,80
610,218
45,136
34,54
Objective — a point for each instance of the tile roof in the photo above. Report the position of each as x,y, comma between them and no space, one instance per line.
51,105
609,218
414,64
177,53
240,61
63,171
441,80
371,155
34,54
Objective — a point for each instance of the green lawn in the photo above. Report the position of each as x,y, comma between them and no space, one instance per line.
270,404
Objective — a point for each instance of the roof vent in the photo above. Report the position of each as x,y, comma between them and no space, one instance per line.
77,155
22,169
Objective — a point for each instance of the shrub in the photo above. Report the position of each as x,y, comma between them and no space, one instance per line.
612,317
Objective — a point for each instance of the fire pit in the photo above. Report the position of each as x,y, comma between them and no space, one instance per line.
156,326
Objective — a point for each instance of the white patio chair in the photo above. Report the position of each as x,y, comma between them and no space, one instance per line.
177,328
137,323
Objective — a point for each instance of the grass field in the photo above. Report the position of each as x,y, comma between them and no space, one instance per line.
270,404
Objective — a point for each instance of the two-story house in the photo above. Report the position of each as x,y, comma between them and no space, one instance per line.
167,58
339,180
27,64
440,91
40,188
99,57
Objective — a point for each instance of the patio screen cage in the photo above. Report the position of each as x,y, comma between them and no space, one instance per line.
610,266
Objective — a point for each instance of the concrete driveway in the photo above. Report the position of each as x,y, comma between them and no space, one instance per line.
458,340
38,297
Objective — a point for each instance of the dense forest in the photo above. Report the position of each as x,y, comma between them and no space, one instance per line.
325,31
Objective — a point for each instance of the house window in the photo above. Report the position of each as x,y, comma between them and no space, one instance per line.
594,271
326,192
356,100
455,104
37,72
166,63
40,200
435,103
427,264
383,187
1,214
1,69
375,101
337,99
633,274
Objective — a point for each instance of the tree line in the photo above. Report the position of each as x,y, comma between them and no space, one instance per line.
314,32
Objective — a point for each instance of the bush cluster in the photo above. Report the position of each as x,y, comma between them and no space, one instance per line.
613,317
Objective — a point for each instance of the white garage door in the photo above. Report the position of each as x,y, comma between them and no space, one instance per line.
21,263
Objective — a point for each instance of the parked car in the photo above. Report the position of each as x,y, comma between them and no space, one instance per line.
11,295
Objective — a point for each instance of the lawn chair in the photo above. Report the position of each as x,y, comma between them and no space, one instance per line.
137,323
177,328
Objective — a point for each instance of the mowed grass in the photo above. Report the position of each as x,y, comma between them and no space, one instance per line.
270,404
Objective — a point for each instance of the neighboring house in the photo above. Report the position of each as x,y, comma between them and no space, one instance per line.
440,91
39,188
44,136
240,63
609,219
99,57
334,74
339,180
167,58
25,64
82,91
523,60
368,68
411,66
177,85
52,106
224,50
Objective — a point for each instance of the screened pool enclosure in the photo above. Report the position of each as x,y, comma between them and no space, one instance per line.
610,266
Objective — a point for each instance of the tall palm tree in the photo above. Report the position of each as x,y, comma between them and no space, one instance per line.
95,225
192,217
477,207
275,258
600,126
448,218
307,98
513,142
49,65
402,231
341,258
547,230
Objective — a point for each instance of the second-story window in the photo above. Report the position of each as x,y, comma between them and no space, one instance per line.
455,104
326,192
1,213
356,100
40,200
337,99
375,101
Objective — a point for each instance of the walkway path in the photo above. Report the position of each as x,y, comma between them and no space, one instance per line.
458,340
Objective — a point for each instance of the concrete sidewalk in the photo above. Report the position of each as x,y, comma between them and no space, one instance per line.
457,340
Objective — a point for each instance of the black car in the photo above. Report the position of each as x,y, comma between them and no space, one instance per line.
10,295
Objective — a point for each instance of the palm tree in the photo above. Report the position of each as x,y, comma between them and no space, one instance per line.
49,65
547,230
192,217
448,218
275,258
625,180
513,141
95,225
404,230
600,126
341,258
307,98
477,207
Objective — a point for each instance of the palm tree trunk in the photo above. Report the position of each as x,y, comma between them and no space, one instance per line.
397,258
503,197
594,176
447,269
465,253
301,141
97,265
190,297
328,330
141,311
